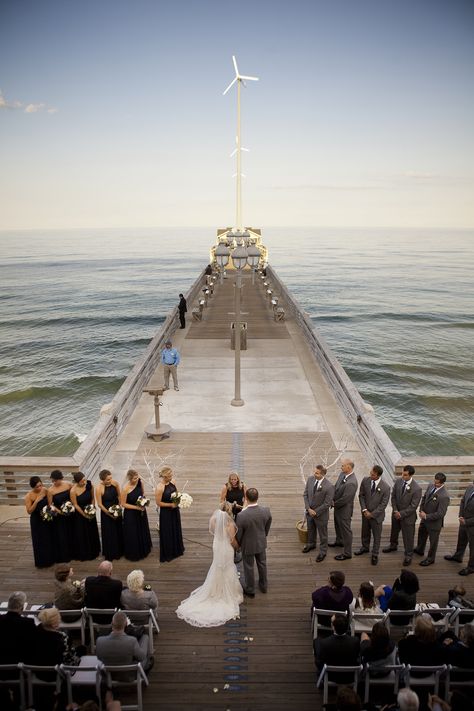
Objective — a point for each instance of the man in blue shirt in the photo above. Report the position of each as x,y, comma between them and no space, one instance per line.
170,359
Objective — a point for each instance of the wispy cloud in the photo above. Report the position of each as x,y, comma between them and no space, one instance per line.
25,108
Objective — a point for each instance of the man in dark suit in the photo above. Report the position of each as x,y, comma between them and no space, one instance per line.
406,495
182,308
16,632
340,649
253,524
102,591
118,648
373,498
466,532
344,494
318,496
433,507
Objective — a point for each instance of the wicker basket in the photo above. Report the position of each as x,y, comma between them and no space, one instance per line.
302,532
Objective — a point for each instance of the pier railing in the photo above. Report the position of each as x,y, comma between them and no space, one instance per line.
88,458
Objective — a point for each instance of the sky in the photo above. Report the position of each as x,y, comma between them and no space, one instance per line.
112,113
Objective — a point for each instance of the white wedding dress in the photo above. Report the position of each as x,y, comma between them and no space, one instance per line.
218,599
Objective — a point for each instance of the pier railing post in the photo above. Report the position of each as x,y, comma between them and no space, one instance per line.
237,401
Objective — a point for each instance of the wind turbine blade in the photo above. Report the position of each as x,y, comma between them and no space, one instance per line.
247,150
233,153
235,66
231,84
242,76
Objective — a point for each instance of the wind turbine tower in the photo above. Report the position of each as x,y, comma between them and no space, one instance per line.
240,79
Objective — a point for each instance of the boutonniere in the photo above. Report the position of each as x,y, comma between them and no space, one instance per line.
407,488
378,489
435,498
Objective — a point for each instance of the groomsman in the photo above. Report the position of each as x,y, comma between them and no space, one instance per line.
374,495
318,496
434,505
406,495
344,494
466,532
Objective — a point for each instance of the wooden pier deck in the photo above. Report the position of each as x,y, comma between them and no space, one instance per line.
262,661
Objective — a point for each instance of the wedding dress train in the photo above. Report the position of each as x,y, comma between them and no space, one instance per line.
218,599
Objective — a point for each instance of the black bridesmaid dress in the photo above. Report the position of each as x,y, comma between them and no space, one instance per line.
171,537
42,536
112,528
86,533
63,530
136,531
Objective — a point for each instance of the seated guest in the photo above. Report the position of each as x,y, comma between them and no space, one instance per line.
136,597
334,596
16,632
377,649
421,647
51,645
340,649
119,648
407,700
366,603
67,596
402,596
102,591
460,652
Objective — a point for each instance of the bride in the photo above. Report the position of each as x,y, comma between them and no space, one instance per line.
218,599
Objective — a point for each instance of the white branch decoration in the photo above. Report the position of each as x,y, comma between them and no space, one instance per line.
154,464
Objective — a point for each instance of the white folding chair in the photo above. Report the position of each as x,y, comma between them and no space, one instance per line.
34,678
400,620
97,626
442,617
324,624
389,675
364,621
335,671
70,622
464,615
88,673
429,676
148,619
12,676
118,677
458,678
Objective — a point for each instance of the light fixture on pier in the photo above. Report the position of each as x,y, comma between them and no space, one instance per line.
253,258
222,254
239,260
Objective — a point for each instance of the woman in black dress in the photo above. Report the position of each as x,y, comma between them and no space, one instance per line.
107,495
171,537
41,531
234,493
86,533
63,523
136,531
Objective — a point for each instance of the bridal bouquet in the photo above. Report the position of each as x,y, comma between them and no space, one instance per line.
142,501
183,499
115,510
47,514
89,511
67,508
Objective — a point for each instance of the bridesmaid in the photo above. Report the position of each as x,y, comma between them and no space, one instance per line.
108,494
41,531
171,537
62,525
86,533
136,531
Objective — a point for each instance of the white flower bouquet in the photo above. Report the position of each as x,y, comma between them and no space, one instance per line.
183,499
90,511
115,510
47,514
142,501
67,508
76,583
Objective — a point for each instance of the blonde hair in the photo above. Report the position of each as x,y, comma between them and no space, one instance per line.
240,483
131,473
424,629
135,580
225,506
166,471
49,617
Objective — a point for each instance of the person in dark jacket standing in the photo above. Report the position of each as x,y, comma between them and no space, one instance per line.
466,532
344,493
433,507
182,308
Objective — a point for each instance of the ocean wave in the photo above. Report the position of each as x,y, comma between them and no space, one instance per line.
88,383
451,321
79,320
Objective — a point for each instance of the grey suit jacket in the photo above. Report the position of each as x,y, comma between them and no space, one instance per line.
321,500
377,502
253,526
344,495
119,648
407,504
435,504
466,507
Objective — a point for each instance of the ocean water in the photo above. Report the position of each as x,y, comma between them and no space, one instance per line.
78,307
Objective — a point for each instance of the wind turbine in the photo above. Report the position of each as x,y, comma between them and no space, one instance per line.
240,79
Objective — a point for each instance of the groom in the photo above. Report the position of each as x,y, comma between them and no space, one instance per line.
253,523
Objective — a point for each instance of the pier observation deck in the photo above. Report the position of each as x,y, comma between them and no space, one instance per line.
264,659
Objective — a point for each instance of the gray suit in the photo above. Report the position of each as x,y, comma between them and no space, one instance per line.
119,648
434,503
405,500
375,503
318,495
344,495
466,530
253,525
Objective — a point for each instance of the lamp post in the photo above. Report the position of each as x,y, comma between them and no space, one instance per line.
222,254
239,260
253,258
